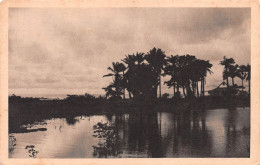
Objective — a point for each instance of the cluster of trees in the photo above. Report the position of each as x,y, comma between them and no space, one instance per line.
140,74
232,70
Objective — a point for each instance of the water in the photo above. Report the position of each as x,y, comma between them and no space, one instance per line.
211,133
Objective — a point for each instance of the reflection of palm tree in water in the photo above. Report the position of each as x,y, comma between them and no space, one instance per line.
155,140
190,133
140,132
199,136
231,121
144,129
109,141
136,132
144,133
185,127
231,131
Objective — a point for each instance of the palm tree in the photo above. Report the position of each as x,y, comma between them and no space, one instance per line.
122,68
109,91
171,69
186,73
226,62
130,61
186,70
139,58
199,69
248,78
242,71
156,58
233,72
205,68
117,78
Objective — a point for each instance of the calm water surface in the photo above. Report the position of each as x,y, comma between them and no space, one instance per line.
211,133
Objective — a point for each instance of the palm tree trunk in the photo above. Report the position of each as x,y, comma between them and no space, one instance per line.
160,87
242,85
193,87
200,86
130,96
124,87
188,90
249,87
203,86
155,92
183,89
198,94
227,83
173,89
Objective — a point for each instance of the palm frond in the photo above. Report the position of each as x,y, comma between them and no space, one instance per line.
107,75
109,68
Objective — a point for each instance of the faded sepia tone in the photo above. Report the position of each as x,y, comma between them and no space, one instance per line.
64,103
96,37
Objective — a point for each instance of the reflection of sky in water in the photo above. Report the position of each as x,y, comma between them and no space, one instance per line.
60,139
226,133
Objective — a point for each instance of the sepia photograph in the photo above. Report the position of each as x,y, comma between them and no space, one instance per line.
129,82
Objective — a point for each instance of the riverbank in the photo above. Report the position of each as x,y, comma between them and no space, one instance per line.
24,112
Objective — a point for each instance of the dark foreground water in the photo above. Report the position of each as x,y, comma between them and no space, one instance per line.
211,133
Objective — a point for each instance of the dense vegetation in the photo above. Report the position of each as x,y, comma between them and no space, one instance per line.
140,74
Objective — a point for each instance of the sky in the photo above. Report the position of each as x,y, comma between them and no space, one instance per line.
58,51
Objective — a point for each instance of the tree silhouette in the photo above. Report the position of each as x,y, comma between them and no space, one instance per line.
142,74
186,70
248,78
242,74
131,61
117,77
227,62
111,92
205,67
171,68
233,72
156,59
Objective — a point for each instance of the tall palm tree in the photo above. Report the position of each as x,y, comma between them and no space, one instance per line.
233,72
242,74
186,73
226,62
130,61
122,68
156,58
205,68
194,76
248,78
171,69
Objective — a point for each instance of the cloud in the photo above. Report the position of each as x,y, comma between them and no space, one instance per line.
69,50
